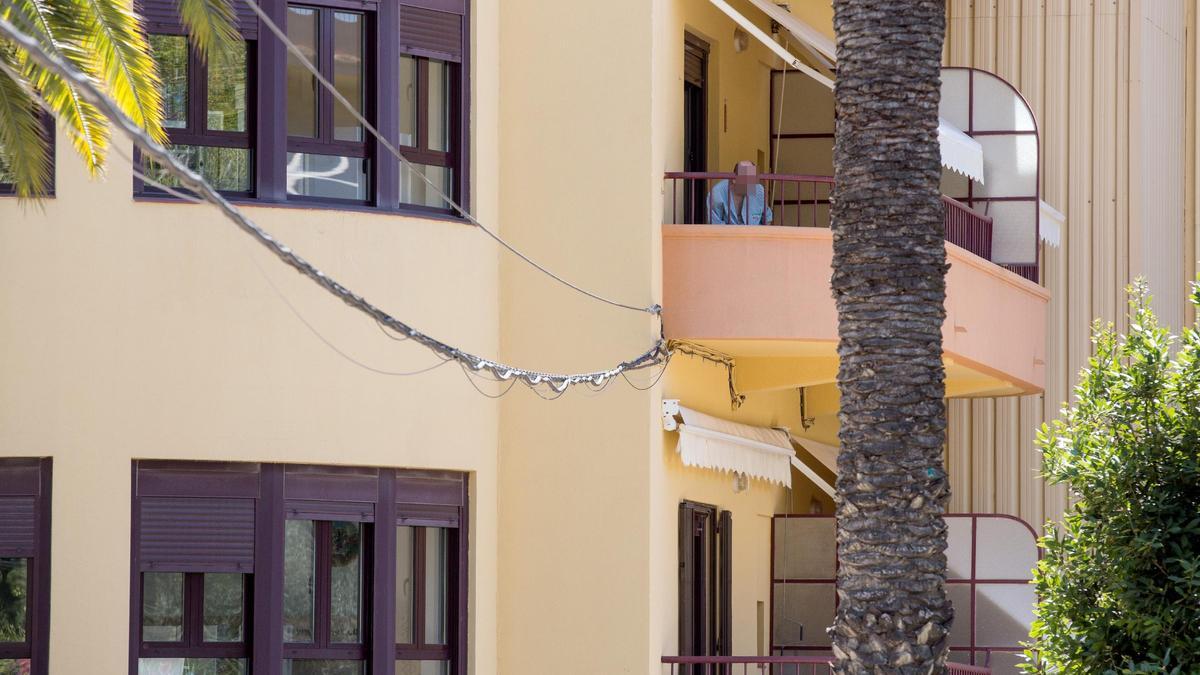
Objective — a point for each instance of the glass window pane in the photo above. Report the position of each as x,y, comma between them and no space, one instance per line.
226,169
322,667
227,89
348,70
162,607
14,666
408,101
299,580
14,589
301,84
439,106
1006,549
346,583
328,176
404,585
437,574
224,604
416,190
171,54
190,667
422,668
1003,614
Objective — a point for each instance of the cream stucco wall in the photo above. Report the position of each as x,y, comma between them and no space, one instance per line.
579,192
145,330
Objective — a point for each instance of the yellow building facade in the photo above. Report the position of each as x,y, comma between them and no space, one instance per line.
137,331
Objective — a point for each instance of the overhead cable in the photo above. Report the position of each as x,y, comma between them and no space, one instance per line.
87,88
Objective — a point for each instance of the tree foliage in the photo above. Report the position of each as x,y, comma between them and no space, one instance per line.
103,39
1119,586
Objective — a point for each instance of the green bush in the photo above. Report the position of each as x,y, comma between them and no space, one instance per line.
1119,584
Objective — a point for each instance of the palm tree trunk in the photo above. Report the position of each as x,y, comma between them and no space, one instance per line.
889,264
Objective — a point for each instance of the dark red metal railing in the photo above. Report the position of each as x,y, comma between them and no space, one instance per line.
968,228
803,201
775,665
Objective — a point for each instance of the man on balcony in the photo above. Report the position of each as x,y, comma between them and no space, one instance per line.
742,201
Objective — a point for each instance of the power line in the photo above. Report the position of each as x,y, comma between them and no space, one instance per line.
279,34
88,90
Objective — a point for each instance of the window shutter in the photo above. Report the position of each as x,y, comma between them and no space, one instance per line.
18,529
163,16
196,534
195,516
694,58
20,490
431,33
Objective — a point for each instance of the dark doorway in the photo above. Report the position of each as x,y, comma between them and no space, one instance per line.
695,125
705,583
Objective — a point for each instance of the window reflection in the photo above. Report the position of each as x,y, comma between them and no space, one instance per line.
14,591
436,575
348,73
171,55
227,89
439,106
404,584
299,580
189,667
416,190
301,83
327,176
224,604
162,607
346,582
408,101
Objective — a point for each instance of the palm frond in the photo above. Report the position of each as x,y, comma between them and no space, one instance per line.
58,29
24,149
119,56
210,24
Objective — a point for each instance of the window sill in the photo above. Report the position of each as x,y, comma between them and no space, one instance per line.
416,212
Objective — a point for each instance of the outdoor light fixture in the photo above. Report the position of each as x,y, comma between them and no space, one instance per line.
740,482
741,39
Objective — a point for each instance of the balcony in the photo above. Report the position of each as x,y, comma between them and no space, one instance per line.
761,292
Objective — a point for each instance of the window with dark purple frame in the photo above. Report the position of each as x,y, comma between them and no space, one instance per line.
342,570
24,565
404,64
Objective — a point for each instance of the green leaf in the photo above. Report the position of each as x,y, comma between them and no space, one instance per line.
210,24
24,150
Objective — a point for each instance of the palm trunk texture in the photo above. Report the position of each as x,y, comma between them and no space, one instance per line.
889,265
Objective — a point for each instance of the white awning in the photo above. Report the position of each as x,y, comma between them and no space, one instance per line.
750,27
1051,224
817,43
713,443
826,455
960,152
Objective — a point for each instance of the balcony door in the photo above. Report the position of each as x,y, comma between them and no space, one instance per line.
695,124
705,582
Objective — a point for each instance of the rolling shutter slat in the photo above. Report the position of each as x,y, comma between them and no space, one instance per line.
426,32
18,527
196,534
163,15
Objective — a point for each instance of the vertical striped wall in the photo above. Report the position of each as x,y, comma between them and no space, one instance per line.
1108,81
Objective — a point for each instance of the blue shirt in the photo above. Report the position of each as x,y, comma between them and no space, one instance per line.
723,210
